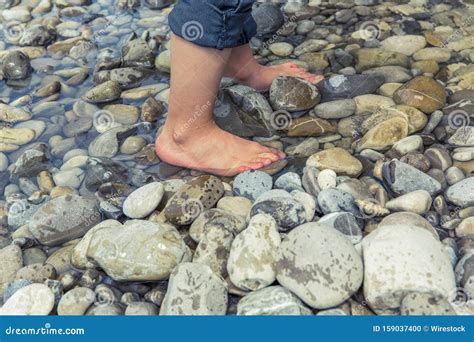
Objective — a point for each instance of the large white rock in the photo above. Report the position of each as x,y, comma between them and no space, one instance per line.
144,200
408,44
399,259
194,289
34,299
319,264
252,254
76,301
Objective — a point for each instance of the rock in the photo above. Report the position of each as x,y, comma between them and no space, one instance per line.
306,148
418,202
271,301
391,74
250,264
104,92
132,145
143,200
372,103
400,259
344,222
281,49
464,276
76,302
12,114
36,273
16,66
31,300
346,87
384,134
137,52
425,304
327,179
14,286
63,219
436,54
310,45
252,184
307,201
408,44
439,158
37,35
402,178
412,143
15,136
461,193
193,289
233,223
316,61
338,160
236,204
141,309
306,265
189,201
268,18
129,252
289,181
331,200
287,212
464,136
335,109
466,227
12,261
410,219
307,126
423,93
370,58
293,94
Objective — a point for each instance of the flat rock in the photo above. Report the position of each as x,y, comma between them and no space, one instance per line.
75,302
338,160
252,184
143,200
12,261
320,265
307,126
31,300
418,202
461,193
293,94
408,44
423,93
335,109
347,87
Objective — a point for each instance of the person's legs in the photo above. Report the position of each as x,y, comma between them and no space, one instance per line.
244,69
190,137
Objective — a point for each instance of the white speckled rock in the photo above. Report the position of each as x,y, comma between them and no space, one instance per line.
236,204
399,259
144,200
327,179
76,301
418,202
11,261
407,44
271,301
307,201
140,250
253,251
193,289
34,299
319,264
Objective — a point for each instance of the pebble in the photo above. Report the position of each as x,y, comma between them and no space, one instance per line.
293,94
343,87
143,201
423,93
418,202
461,193
399,259
408,44
344,222
141,309
194,290
425,304
31,300
238,205
335,109
76,302
338,160
252,184
331,200
252,255
12,261
233,223
311,248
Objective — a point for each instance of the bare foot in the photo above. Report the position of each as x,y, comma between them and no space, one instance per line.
212,150
262,77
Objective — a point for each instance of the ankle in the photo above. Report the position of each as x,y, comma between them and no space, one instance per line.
183,134
248,73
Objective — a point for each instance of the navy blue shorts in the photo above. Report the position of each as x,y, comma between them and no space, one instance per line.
217,24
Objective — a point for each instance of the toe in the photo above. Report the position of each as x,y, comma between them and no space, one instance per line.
271,155
254,165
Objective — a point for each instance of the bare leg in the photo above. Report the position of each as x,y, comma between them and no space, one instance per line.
190,138
243,67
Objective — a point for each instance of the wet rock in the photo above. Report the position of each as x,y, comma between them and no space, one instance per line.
418,202
252,184
104,92
338,160
228,219
63,219
423,93
370,58
333,200
461,193
144,200
129,252
12,262
401,259
306,265
235,204
408,44
76,302
253,251
425,304
32,161
307,126
194,289
293,94
384,134
271,301
16,66
335,109
344,87
189,201
37,35
34,299
137,52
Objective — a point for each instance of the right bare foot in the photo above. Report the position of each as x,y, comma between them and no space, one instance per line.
213,150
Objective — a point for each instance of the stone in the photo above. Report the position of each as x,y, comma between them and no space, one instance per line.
423,93
306,148
466,227
310,45
409,144
232,222
75,302
132,145
307,126
63,219
408,44
344,222
251,258
370,58
461,193
418,202
12,261
331,200
16,65
12,114
268,18
129,253
287,212
238,205
143,200
372,103
439,158
193,289
306,265
335,109
400,259
104,92
289,181
36,273
425,304
384,134
252,184
281,49
347,87
271,301
401,178
338,160
316,61
410,219
327,178
141,309
436,54
31,300
293,94
189,201
14,286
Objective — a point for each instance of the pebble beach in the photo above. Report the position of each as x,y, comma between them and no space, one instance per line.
371,213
